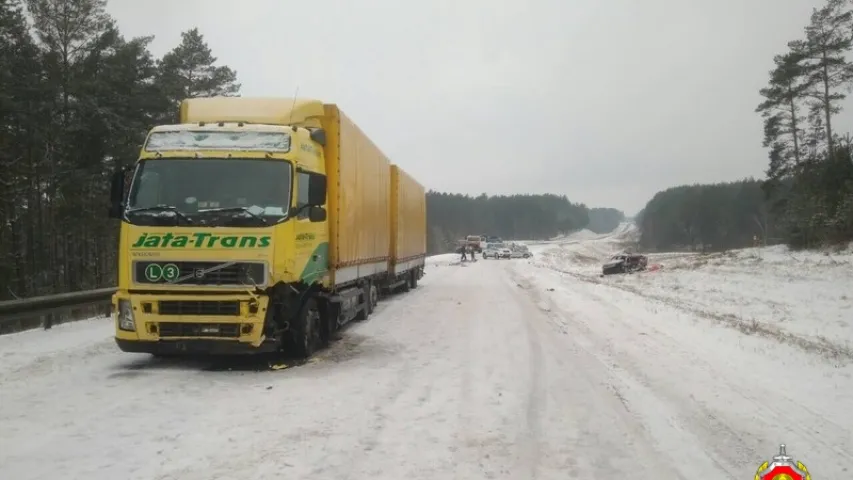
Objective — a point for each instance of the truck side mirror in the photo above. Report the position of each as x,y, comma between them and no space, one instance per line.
117,193
316,214
317,190
319,136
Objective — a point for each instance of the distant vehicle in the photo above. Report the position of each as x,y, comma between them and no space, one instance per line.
491,251
504,252
625,263
521,251
476,242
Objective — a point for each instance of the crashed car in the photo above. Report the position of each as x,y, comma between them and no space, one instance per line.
625,263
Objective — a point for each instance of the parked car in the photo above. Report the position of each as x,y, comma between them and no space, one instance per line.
491,251
504,252
521,251
625,263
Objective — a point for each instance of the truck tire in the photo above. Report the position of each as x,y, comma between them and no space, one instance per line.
364,298
372,297
307,333
414,281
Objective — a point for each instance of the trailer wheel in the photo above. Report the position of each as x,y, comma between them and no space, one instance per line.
414,280
369,297
372,297
307,335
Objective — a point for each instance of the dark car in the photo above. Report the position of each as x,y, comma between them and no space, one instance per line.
625,263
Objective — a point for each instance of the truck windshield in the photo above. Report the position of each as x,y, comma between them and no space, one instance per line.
213,192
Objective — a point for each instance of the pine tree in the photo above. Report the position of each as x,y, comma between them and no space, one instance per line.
822,58
781,113
76,98
189,71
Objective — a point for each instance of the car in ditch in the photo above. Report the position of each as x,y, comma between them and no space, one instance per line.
625,263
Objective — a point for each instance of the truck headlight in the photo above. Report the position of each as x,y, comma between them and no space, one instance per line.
125,316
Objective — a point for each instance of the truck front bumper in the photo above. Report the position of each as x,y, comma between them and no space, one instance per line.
194,346
184,322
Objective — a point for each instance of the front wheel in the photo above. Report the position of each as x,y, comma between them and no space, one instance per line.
307,336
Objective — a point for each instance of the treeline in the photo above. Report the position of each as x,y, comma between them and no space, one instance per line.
808,193
76,99
604,220
451,217
719,216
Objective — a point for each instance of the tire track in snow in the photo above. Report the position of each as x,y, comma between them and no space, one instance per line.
383,429
608,440
663,344
501,388
775,410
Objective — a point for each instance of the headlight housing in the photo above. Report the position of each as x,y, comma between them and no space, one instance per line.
125,316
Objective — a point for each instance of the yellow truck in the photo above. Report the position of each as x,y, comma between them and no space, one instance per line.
259,225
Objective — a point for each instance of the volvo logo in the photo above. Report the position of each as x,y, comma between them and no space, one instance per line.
202,272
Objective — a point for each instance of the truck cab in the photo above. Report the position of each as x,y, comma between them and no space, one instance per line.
215,216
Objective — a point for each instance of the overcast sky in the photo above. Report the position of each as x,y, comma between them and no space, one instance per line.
605,101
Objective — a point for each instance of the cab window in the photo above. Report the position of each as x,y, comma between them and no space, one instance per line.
302,180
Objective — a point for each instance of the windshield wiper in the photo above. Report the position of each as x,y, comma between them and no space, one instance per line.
161,208
235,209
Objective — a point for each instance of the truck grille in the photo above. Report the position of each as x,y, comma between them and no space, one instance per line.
199,307
222,330
200,273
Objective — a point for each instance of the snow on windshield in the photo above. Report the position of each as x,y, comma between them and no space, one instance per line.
218,140
257,210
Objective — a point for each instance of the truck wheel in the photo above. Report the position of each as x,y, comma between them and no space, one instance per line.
364,297
414,281
372,297
407,285
307,336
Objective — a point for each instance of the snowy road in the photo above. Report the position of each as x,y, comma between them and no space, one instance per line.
499,369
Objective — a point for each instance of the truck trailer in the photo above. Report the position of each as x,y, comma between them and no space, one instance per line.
259,225
408,227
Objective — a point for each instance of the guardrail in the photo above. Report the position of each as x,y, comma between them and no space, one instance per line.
23,312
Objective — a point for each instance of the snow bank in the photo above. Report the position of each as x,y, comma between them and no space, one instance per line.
578,235
38,347
442,259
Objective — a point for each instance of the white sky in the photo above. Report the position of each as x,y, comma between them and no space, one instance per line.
605,101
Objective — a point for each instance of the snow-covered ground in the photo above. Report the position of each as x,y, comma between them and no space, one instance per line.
804,298
515,369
